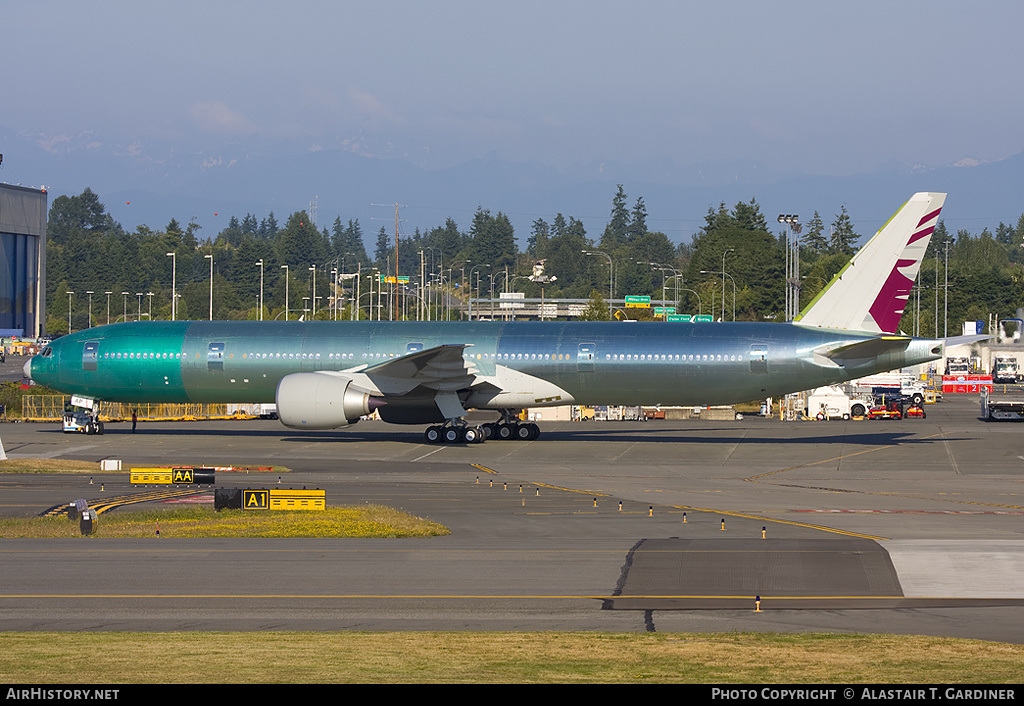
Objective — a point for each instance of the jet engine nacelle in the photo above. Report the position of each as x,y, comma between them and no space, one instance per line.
320,401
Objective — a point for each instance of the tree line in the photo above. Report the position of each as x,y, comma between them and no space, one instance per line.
130,273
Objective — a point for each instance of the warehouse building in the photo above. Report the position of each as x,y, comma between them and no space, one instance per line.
22,261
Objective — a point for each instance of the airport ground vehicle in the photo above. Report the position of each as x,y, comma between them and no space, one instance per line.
1005,369
831,402
1005,406
889,410
82,421
891,383
958,366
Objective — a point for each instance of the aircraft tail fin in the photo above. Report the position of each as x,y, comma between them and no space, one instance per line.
871,292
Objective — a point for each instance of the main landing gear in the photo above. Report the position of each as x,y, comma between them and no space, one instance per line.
456,431
454,434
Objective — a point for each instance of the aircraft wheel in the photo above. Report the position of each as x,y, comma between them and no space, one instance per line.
472,435
432,435
451,435
522,431
505,431
489,430
534,431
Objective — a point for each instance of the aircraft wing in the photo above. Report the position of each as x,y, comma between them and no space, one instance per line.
441,368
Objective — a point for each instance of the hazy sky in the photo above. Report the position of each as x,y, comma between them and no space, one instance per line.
821,87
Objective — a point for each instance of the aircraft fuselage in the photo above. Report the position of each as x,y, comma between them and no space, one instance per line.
590,362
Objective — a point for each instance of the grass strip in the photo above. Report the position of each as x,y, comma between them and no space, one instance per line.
203,521
488,657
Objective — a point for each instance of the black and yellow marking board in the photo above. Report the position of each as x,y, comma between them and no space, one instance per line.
183,475
279,499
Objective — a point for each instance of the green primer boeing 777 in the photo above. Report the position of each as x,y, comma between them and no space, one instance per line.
325,375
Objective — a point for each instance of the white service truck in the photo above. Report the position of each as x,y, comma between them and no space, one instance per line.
1004,369
893,383
831,402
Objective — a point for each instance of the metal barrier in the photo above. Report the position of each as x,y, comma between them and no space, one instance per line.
40,408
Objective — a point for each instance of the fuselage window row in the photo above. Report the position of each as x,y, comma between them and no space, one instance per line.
469,356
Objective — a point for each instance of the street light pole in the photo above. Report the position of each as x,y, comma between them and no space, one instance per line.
286,278
70,294
471,270
89,292
611,291
174,285
792,222
313,284
210,258
723,280
260,263
108,306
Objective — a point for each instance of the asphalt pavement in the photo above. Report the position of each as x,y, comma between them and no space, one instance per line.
862,526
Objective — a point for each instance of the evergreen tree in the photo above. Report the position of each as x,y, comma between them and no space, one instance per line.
536,244
748,216
615,233
815,238
492,240
843,236
384,249
638,223
268,226
300,244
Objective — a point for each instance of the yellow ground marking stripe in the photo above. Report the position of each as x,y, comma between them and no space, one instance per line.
485,469
481,596
780,522
717,512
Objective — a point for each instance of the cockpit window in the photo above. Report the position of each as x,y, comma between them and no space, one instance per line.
47,352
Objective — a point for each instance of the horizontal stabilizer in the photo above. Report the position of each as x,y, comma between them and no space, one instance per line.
972,338
871,348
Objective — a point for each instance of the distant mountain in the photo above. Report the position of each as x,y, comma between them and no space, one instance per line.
150,183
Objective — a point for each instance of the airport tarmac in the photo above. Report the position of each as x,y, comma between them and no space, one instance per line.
868,526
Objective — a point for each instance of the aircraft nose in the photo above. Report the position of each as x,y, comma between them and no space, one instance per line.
28,368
